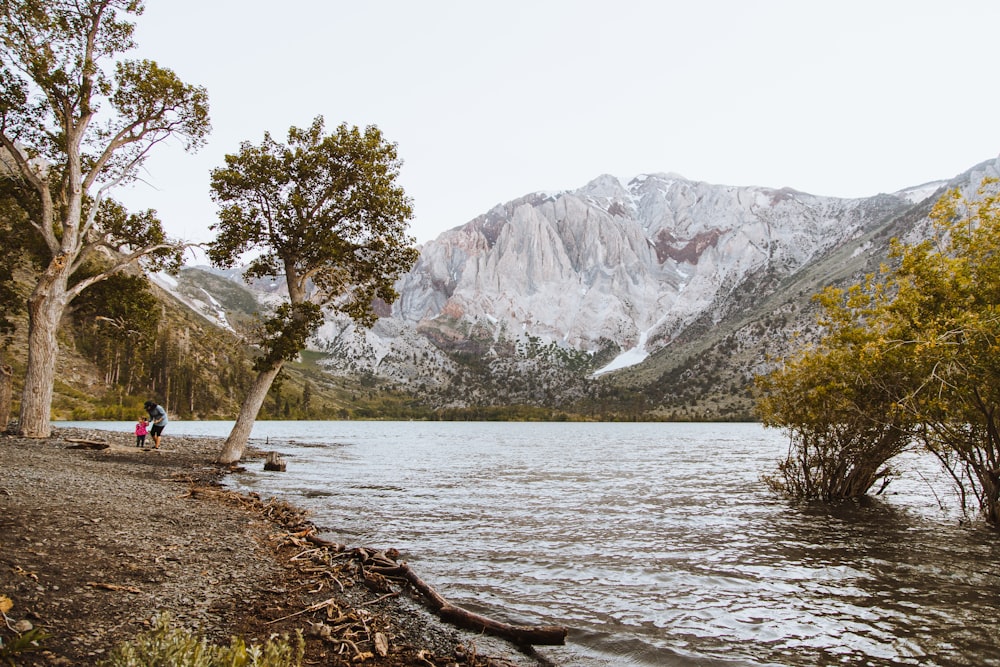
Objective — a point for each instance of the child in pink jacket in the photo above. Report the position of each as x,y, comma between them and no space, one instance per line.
141,429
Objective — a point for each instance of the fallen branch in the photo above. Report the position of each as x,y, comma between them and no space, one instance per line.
379,599
313,607
375,567
320,542
520,634
114,587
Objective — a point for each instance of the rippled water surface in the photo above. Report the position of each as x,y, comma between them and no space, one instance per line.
656,543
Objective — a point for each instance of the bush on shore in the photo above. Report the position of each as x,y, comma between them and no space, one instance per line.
174,647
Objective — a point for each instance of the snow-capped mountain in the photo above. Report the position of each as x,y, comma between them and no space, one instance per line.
626,265
613,273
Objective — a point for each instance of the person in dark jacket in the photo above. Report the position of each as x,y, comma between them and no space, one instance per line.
157,421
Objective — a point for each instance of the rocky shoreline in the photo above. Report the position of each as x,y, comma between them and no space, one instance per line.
95,543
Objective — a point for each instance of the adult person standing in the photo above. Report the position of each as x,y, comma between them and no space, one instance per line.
157,419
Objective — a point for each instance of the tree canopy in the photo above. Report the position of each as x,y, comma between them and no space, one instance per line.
76,121
323,212
908,356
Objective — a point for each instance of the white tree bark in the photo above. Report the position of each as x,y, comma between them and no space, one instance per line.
236,443
45,309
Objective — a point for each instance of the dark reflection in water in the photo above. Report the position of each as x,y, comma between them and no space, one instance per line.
657,543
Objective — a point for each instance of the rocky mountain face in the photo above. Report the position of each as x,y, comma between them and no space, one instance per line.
659,293
625,266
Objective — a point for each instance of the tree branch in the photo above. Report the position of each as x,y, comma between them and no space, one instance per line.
122,264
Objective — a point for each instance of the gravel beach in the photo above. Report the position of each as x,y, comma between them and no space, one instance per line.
98,537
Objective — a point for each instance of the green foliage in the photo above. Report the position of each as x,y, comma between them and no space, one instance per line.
72,129
285,333
125,230
63,109
195,369
947,311
15,254
148,346
838,400
21,644
165,646
837,407
325,212
576,361
521,413
10,301
911,352
117,321
307,391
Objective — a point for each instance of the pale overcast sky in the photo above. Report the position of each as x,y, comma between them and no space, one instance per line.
489,101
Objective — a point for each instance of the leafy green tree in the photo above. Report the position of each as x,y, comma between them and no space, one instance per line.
16,252
325,213
837,401
909,354
14,255
9,306
76,121
117,319
948,306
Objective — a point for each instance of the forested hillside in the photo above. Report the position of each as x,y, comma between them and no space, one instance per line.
127,340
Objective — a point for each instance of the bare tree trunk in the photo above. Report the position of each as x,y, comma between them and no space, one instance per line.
232,450
992,505
988,476
45,310
6,390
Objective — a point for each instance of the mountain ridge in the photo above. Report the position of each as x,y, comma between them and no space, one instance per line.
618,288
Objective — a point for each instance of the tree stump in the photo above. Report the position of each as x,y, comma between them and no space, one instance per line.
274,462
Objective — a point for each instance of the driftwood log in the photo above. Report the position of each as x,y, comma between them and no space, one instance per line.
380,568
384,565
539,635
87,444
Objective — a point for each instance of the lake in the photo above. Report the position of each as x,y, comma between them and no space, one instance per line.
656,543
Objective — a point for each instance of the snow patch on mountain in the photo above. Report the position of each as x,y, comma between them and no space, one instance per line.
208,307
619,265
919,193
620,268
631,357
